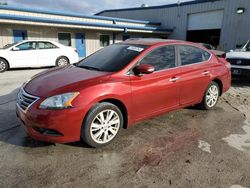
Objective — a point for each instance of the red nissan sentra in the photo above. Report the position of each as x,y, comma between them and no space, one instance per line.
118,86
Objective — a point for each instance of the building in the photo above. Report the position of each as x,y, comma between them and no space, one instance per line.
86,33
224,23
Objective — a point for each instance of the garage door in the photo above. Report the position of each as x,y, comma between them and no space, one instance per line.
205,20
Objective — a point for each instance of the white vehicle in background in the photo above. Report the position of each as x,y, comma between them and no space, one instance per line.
240,60
36,53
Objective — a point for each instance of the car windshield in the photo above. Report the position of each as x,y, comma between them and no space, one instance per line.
8,46
112,58
241,47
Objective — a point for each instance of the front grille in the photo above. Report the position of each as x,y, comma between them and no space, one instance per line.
239,61
25,100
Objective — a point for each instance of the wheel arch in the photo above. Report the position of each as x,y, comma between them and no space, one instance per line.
121,106
219,82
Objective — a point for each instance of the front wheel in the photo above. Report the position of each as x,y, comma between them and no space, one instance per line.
3,65
211,96
102,124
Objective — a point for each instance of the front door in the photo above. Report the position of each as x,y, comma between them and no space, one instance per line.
20,35
80,44
24,55
159,91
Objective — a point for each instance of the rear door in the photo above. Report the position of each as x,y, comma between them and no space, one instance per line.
195,73
47,53
159,91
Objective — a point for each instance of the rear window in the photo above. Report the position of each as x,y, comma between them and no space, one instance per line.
112,58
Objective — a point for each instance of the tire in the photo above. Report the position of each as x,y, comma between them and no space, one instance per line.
3,65
213,90
62,61
97,130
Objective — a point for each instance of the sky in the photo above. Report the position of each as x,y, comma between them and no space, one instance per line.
87,7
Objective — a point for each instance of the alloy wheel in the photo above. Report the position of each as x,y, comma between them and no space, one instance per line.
212,96
2,65
62,62
105,126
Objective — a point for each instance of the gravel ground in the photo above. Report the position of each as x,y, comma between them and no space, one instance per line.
185,148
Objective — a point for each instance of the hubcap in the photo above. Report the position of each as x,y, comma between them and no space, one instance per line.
105,126
62,62
2,66
212,96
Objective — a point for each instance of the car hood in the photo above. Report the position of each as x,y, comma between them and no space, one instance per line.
62,80
238,54
3,51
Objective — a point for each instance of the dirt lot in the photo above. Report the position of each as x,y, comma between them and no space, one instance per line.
186,148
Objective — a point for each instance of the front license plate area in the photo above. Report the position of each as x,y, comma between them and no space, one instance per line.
236,71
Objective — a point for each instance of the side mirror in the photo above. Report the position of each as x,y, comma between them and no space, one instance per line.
15,49
144,69
231,50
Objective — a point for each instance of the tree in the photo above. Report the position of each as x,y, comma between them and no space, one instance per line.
3,3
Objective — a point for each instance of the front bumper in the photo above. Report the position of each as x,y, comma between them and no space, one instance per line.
56,126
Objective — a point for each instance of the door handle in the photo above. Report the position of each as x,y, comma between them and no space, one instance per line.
174,79
206,73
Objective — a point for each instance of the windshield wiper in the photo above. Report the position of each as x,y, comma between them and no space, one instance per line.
90,68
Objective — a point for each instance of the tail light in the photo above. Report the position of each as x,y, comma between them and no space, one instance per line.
225,62
223,55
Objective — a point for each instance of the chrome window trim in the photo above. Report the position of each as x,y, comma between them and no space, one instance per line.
178,62
177,45
128,73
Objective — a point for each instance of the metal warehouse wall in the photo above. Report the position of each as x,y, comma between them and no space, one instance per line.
235,27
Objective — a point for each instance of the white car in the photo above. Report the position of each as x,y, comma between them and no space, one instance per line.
240,60
36,53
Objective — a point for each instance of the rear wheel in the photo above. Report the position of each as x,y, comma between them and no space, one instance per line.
211,96
3,65
62,61
102,124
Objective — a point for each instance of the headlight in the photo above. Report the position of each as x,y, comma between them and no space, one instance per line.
59,101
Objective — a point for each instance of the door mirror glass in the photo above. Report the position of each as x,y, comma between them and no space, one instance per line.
15,49
144,69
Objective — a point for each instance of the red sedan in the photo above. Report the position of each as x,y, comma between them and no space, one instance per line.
118,86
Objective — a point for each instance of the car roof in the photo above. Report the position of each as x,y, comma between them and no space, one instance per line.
37,40
153,41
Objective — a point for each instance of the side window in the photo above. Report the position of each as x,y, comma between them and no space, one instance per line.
46,45
161,58
104,40
190,55
27,46
206,55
